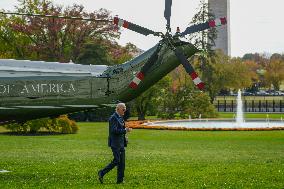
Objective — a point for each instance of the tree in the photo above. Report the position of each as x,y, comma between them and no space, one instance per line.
206,63
122,54
223,73
204,39
200,106
215,73
94,53
54,39
12,45
255,78
240,75
260,59
179,98
276,56
274,74
148,100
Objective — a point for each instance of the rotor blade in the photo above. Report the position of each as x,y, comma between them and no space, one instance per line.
55,16
141,75
139,29
189,69
204,26
168,11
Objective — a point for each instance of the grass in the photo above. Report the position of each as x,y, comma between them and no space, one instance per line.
253,115
154,159
231,115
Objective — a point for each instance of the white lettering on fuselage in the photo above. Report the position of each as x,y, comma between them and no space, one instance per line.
3,89
39,88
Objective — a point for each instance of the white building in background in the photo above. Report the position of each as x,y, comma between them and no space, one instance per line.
221,8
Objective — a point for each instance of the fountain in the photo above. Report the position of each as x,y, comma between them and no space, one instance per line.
238,123
240,114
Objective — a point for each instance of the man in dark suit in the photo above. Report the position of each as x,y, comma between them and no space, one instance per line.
117,141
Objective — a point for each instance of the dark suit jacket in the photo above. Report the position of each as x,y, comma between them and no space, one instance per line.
117,132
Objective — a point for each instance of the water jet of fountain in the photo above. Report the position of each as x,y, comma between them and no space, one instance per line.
267,118
240,114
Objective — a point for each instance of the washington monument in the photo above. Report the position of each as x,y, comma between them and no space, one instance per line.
221,8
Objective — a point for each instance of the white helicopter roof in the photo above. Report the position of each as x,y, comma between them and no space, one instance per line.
21,68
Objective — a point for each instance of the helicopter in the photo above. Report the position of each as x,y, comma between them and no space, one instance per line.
37,89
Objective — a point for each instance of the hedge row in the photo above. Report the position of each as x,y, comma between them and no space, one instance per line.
62,124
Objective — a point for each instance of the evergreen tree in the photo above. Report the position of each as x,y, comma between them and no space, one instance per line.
203,39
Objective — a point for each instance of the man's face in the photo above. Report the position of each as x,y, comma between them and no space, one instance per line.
121,110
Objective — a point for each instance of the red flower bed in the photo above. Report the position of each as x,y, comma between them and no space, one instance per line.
139,125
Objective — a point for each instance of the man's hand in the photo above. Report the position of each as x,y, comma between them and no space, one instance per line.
128,129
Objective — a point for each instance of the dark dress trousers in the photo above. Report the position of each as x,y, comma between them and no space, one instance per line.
117,142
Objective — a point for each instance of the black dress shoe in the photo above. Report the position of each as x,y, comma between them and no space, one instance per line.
120,182
101,177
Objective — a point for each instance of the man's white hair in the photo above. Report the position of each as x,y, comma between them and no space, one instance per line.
120,105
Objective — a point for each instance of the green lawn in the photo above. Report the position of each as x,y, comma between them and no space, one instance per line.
232,115
253,115
155,159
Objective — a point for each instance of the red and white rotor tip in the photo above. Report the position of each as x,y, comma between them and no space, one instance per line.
218,22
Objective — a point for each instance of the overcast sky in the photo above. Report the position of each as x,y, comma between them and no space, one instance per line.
256,26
